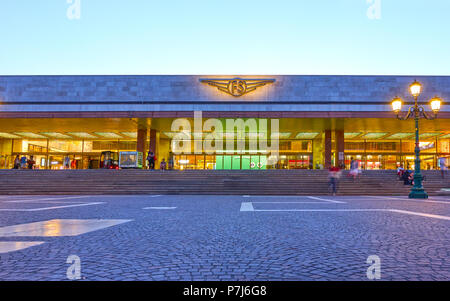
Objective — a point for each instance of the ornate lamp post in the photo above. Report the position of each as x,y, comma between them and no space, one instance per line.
417,111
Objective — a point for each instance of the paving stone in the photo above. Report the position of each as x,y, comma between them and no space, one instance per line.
208,238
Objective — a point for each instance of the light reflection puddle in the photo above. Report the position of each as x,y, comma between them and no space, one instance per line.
59,227
11,246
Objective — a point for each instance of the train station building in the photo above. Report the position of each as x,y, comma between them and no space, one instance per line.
322,120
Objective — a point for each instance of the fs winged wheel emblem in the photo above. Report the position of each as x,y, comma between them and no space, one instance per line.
236,86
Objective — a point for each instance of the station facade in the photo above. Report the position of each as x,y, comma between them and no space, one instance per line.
321,120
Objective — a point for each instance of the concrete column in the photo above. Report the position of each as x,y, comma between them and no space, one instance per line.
164,150
327,151
154,146
340,148
143,124
318,154
141,140
5,154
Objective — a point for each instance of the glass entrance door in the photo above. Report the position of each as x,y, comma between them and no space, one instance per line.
245,162
236,162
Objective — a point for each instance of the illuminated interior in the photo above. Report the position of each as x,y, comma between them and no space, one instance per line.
374,143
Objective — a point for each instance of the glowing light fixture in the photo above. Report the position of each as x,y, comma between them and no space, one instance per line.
10,136
56,135
284,135
351,135
130,134
255,135
306,135
415,88
169,134
30,135
435,104
397,103
428,135
374,135
399,135
108,135
82,135
417,111
180,135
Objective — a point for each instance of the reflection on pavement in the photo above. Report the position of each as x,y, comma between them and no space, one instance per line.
10,246
59,227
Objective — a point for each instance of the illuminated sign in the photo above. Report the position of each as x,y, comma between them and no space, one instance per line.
237,86
426,145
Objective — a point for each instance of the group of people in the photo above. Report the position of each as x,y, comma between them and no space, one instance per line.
405,175
24,162
151,160
335,172
70,164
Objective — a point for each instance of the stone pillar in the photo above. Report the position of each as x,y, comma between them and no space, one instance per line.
143,124
327,151
154,146
340,148
141,140
318,154
6,159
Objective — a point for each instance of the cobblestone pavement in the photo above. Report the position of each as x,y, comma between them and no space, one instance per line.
229,237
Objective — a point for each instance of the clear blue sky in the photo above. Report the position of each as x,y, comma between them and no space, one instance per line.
225,37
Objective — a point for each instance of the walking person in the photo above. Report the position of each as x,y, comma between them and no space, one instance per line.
162,166
73,164
17,162
170,162
442,166
405,177
400,171
31,163
23,162
151,160
354,171
333,176
67,162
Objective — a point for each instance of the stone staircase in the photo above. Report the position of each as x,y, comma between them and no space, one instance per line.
206,182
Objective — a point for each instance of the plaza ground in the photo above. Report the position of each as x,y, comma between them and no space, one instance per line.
240,237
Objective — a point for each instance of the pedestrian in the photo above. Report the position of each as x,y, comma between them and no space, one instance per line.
162,166
400,171
354,171
334,175
17,162
23,162
411,178
170,162
151,160
31,162
442,166
405,177
73,164
67,162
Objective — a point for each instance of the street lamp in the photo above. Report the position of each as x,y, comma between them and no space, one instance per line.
417,111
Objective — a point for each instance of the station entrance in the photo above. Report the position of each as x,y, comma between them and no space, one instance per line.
304,143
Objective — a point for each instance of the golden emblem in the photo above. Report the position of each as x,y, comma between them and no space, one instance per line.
237,86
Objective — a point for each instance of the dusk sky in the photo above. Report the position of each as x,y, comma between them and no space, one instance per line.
410,37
